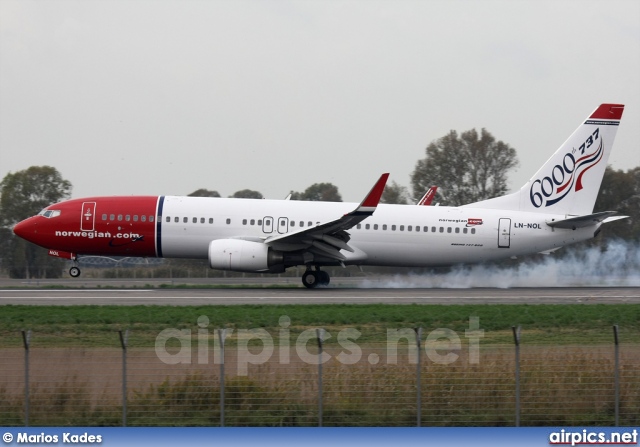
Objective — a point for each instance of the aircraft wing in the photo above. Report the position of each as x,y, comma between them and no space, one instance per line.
328,238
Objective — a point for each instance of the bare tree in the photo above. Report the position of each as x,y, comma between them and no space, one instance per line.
319,192
22,195
246,194
468,168
203,192
394,193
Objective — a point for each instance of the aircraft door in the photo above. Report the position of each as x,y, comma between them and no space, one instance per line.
283,225
504,233
88,218
267,224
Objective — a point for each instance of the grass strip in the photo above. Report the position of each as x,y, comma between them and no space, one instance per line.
98,325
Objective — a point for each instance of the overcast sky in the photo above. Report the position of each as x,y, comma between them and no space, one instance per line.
167,96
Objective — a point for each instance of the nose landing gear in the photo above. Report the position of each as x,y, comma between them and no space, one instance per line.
74,271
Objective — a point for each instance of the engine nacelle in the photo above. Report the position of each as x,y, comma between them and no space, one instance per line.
244,256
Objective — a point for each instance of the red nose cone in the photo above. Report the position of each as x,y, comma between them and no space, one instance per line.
19,229
24,229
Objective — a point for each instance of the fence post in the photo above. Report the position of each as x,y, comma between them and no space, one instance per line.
26,339
123,342
418,331
221,337
319,334
516,338
617,373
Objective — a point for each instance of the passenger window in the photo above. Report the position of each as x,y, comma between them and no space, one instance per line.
259,222
112,217
185,219
448,229
194,220
409,228
176,219
127,218
301,224
401,227
433,229
119,217
457,230
252,222
143,218
441,229
309,223
393,228
464,230
244,221
104,217
168,218
359,226
211,220
202,220
228,221
367,226
384,227
425,229
417,228
473,231
375,226
151,218
135,217
293,223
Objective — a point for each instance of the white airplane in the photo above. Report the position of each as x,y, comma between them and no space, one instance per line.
553,209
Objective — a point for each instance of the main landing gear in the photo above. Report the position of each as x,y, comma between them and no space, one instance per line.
314,278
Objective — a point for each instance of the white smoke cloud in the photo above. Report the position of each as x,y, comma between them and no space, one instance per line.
616,264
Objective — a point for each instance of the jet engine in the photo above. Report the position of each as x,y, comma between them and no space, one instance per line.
244,256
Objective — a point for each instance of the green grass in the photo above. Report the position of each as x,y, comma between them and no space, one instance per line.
98,325
561,362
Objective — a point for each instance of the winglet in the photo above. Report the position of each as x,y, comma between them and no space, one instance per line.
370,202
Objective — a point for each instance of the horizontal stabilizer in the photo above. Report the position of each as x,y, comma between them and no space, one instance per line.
584,221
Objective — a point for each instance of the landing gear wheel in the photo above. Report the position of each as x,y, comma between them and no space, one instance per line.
310,279
323,278
74,272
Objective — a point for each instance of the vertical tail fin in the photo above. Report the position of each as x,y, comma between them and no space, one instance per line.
568,183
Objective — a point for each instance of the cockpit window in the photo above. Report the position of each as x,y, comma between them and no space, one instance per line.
49,213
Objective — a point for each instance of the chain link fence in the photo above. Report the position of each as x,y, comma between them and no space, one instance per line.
406,378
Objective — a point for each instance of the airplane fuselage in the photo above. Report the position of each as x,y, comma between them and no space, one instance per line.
396,235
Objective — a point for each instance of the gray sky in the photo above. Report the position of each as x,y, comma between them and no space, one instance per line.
167,96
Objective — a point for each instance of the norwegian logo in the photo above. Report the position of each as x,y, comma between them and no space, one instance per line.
567,176
474,222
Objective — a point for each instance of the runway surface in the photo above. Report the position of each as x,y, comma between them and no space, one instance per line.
347,292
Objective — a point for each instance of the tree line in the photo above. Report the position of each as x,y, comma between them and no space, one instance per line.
466,167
